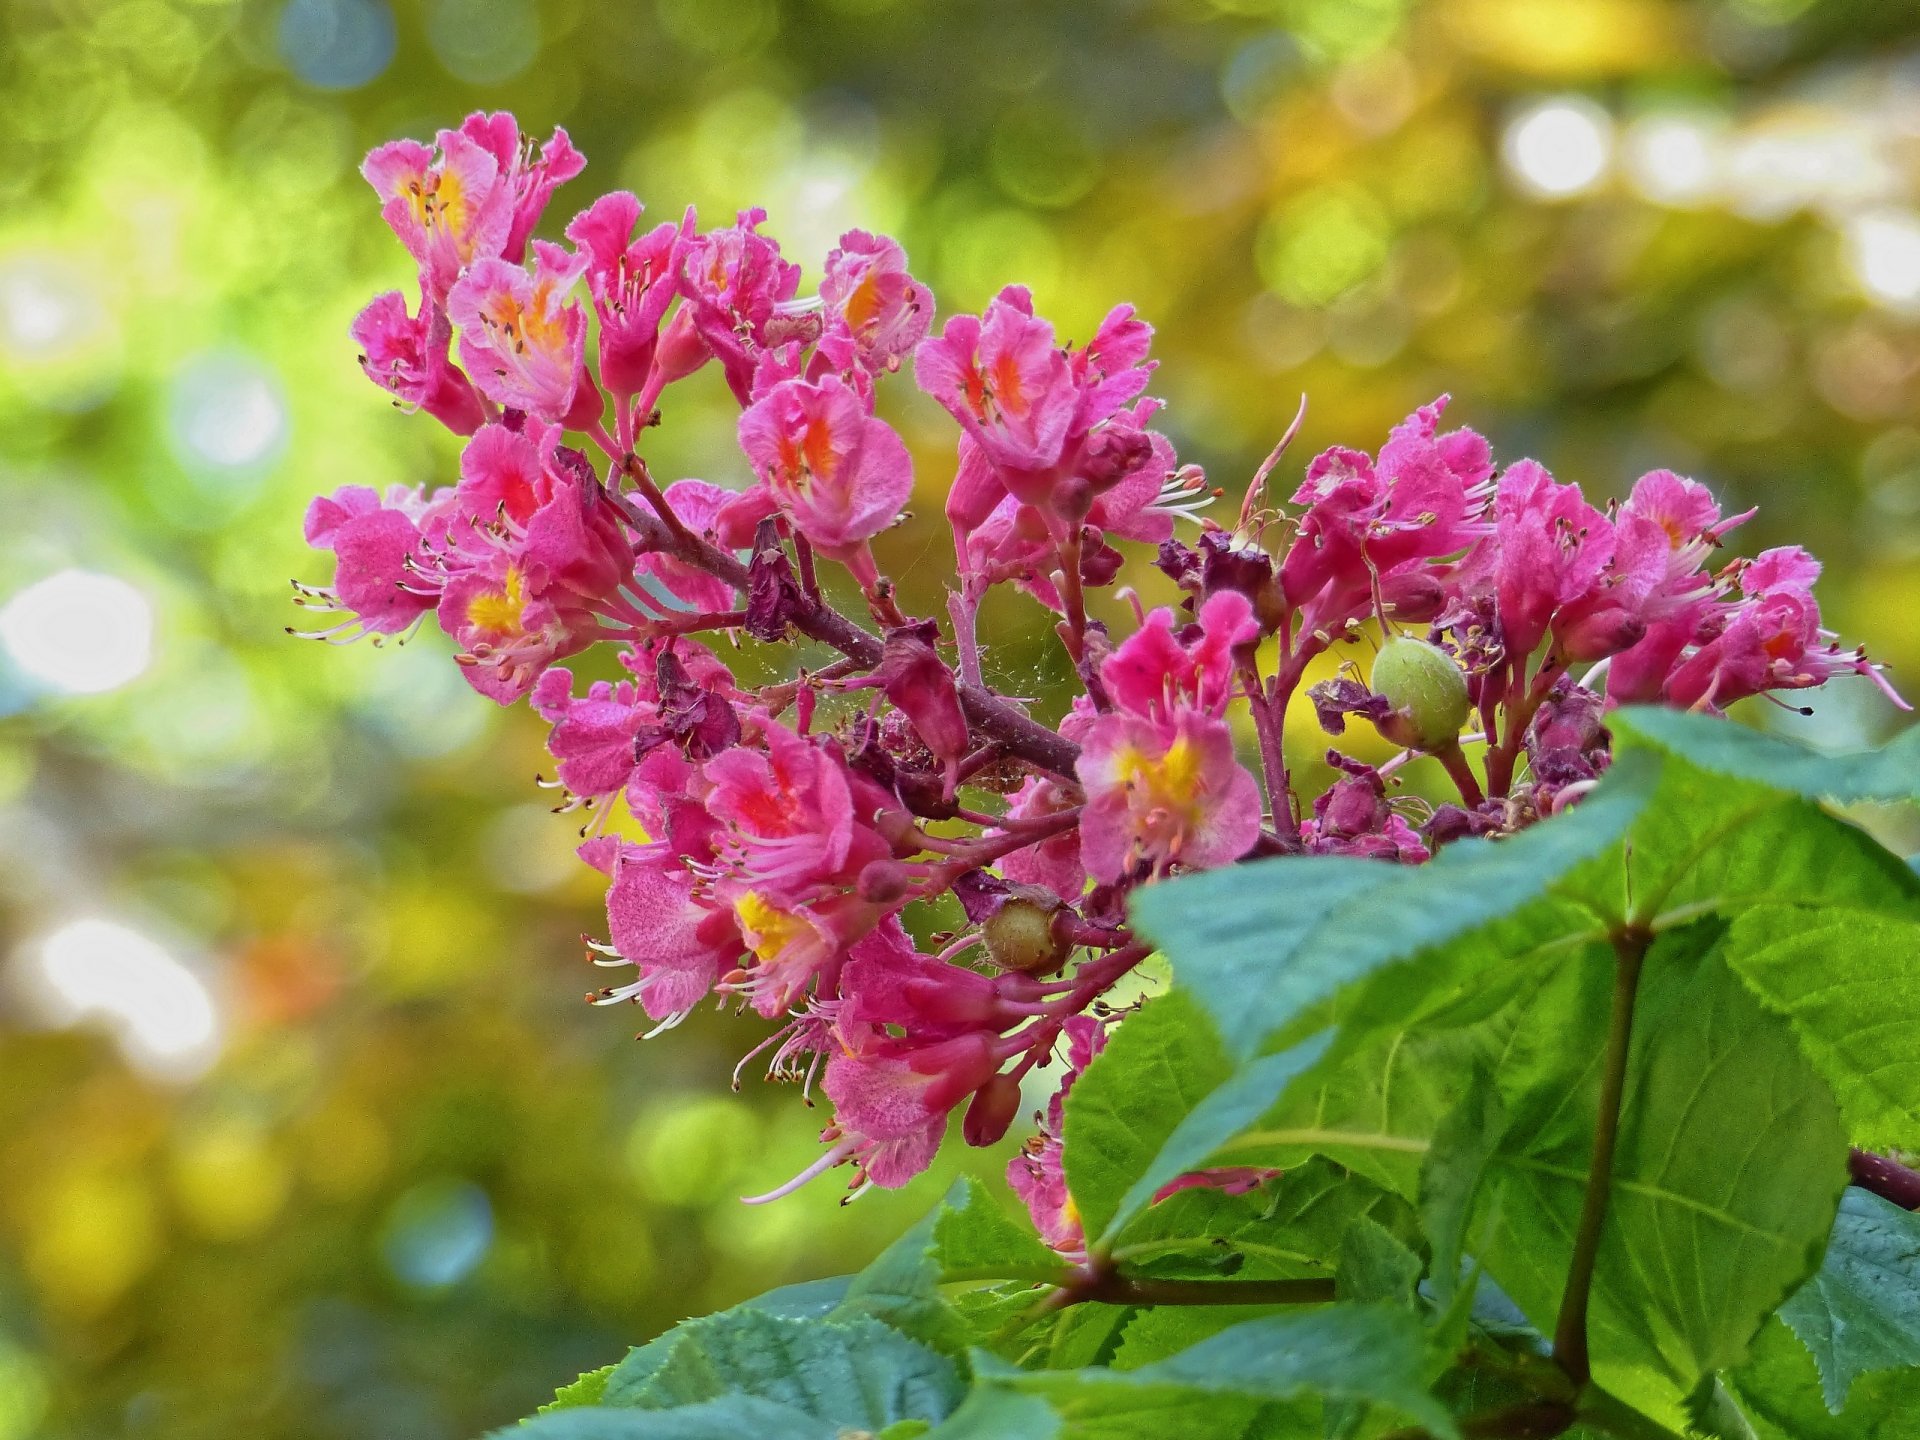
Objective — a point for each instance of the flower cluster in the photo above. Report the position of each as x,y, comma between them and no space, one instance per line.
781,846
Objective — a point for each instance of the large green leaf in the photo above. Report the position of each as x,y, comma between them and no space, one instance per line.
1367,1354
811,1299
1779,1388
727,1418
1730,1162
857,1373
1259,944
1288,1229
1463,1146
975,1239
1158,1102
1708,743
1861,1310
1719,845
1849,983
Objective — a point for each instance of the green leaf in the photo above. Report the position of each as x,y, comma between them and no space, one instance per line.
1289,1228
1259,944
1368,1354
1709,842
586,1390
975,1239
1375,1265
727,1418
997,1415
901,1287
1165,1330
1158,1065
856,1373
1849,983
1714,1414
1780,1390
1729,1165
1450,1177
1861,1309
1709,743
810,1299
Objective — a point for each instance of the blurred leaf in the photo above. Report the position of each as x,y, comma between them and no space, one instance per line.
1861,1309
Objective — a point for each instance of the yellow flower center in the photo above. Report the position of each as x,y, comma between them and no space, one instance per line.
765,927
500,612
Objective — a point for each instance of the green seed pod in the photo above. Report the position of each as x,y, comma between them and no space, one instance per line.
1426,690
1020,934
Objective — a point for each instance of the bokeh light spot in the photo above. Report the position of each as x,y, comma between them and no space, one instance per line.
484,42
1673,159
1558,148
24,1393
227,414
79,632
1883,252
1317,247
437,1232
160,1011
337,44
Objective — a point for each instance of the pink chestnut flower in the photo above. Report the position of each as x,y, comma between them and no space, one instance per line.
1164,792
1003,378
867,288
406,356
1422,500
737,285
632,282
379,546
1771,640
522,341
1156,672
1549,549
445,202
526,182
838,472
677,942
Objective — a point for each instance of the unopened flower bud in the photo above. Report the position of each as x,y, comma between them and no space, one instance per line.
994,1106
1426,690
1412,598
1601,633
1020,934
883,882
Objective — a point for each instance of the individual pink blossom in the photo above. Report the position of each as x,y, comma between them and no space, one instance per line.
1164,792
1004,380
1038,1173
445,202
1054,863
867,288
406,356
838,472
592,737
523,341
632,282
1550,549
893,1108
527,182
377,545
1423,500
678,944
1156,672
1771,640
737,285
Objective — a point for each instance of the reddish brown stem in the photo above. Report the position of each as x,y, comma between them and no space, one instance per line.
1888,1179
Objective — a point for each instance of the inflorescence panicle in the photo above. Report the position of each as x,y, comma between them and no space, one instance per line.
786,831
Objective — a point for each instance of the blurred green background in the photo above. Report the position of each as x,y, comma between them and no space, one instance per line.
304,1131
